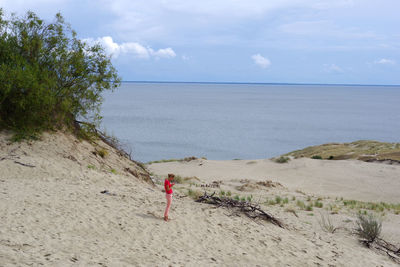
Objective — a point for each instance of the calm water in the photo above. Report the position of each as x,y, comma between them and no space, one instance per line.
246,121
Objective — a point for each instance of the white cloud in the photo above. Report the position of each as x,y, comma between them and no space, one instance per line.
261,61
133,48
332,68
186,58
164,52
385,61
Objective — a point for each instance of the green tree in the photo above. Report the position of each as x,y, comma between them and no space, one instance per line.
49,77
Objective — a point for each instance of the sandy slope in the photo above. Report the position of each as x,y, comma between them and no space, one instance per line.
351,179
53,214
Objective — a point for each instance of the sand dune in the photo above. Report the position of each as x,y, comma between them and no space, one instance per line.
351,179
53,214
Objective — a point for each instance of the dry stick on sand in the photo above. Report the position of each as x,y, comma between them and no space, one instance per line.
251,210
387,248
24,164
18,162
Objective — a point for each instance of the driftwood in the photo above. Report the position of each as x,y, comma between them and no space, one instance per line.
249,209
24,164
214,184
384,247
13,157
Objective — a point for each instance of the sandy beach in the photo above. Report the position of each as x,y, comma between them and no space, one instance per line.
351,179
54,214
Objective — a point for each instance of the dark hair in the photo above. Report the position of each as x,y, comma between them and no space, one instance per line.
171,175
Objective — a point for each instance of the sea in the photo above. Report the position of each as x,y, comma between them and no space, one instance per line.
225,121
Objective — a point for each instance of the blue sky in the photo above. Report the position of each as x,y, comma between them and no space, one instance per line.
296,41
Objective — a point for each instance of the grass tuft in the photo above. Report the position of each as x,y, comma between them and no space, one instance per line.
326,224
368,227
282,159
195,194
102,153
300,204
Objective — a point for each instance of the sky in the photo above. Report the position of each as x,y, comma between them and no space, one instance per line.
274,41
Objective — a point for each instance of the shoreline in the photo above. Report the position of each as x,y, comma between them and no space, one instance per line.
265,83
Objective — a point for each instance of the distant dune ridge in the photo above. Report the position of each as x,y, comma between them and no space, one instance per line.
364,150
52,211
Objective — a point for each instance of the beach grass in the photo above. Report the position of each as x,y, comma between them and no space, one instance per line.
102,153
368,227
187,159
92,167
282,159
326,224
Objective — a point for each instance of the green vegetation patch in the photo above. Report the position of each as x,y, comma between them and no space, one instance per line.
372,206
282,159
49,77
363,150
187,159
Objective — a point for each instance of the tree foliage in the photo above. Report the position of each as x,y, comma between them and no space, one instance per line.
49,77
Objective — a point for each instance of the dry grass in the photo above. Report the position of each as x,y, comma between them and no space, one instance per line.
326,224
195,194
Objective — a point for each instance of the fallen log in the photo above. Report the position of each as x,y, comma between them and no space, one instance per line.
251,210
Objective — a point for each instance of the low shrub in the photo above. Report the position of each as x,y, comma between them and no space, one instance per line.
195,194
318,204
102,153
368,227
282,159
316,157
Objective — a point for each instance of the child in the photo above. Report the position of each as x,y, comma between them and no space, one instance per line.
168,193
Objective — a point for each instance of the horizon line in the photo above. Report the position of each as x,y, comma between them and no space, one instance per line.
266,83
